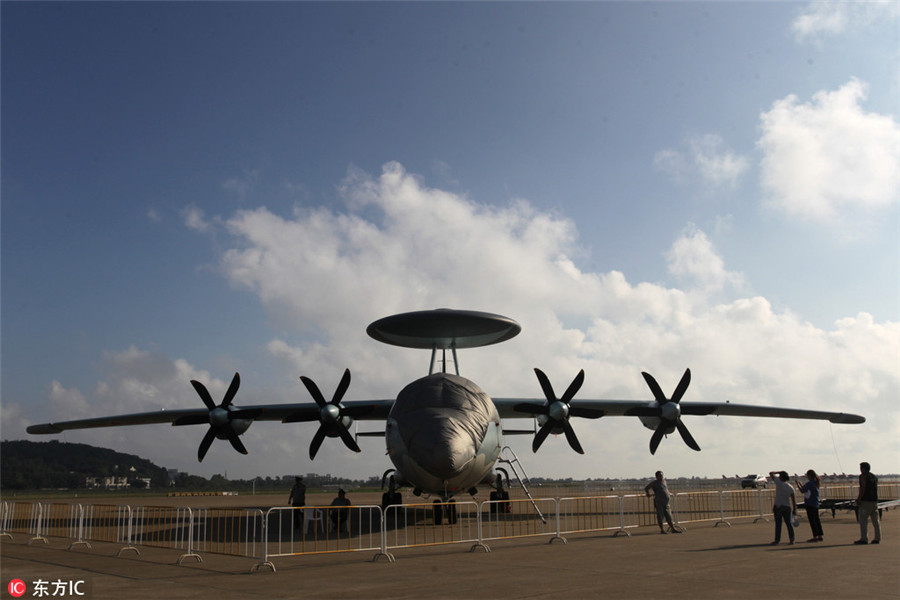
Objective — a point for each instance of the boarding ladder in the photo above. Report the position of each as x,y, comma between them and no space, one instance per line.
507,456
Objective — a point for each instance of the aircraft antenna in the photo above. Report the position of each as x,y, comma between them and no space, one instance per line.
834,445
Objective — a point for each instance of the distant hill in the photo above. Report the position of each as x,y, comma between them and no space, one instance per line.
38,465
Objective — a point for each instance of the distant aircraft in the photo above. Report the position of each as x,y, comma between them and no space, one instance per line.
443,433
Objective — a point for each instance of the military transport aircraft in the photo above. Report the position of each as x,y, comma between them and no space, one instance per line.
443,433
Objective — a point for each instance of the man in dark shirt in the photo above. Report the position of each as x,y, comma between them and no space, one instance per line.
298,498
867,504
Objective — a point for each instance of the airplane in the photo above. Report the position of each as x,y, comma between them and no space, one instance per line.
443,432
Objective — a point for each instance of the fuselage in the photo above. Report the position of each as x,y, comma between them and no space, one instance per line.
443,435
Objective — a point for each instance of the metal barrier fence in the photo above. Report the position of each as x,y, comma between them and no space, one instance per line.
232,531
504,519
423,524
637,511
698,507
593,513
108,523
293,531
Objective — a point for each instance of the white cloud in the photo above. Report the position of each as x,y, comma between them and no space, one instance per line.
828,160
195,219
819,19
693,260
703,158
327,274
241,187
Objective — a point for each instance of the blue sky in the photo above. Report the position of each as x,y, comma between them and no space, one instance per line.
191,189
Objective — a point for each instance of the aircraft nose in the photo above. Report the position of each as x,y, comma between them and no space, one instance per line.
451,451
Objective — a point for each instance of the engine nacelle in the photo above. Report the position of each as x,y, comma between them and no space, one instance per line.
653,422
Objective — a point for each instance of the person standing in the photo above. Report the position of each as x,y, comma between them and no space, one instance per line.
785,505
810,491
340,511
296,499
867,504
661,502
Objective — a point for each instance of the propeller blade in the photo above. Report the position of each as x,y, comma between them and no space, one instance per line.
348,439
545,385
341,388
232,390
235,440
206,443
316,442
541,435
686,436
654,387
572,438
573,387
682,386
204,394
313,391
657,437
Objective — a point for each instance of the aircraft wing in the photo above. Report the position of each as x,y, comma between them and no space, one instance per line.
506,407
365,410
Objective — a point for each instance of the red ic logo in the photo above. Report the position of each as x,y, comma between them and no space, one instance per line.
17,588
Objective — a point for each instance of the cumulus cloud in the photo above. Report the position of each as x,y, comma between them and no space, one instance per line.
398,245
693,259
195,219
824,18
703,158
829,161
241,187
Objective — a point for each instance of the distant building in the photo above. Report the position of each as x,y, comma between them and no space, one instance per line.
173,475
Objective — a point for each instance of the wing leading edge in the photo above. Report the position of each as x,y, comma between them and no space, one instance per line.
632,408
370,410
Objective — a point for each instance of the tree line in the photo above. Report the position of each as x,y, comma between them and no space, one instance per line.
54,464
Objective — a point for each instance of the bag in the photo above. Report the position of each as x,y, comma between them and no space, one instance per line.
795,520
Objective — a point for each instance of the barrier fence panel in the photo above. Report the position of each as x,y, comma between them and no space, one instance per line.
4,519
593,513
696,507
60,520
840,492
233,531
63,521
501,519
637,511
291,531
164,527
744,504
22,517
889,491
410,525
111,523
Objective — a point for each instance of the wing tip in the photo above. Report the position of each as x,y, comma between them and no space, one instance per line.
848,419
43,429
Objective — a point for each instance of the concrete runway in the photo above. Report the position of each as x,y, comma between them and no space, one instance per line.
705,562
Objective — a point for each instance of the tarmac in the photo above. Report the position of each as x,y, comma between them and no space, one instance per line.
704,562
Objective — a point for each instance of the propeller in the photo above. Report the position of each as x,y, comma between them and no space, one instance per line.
558,411
669,411
332,416
225,421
